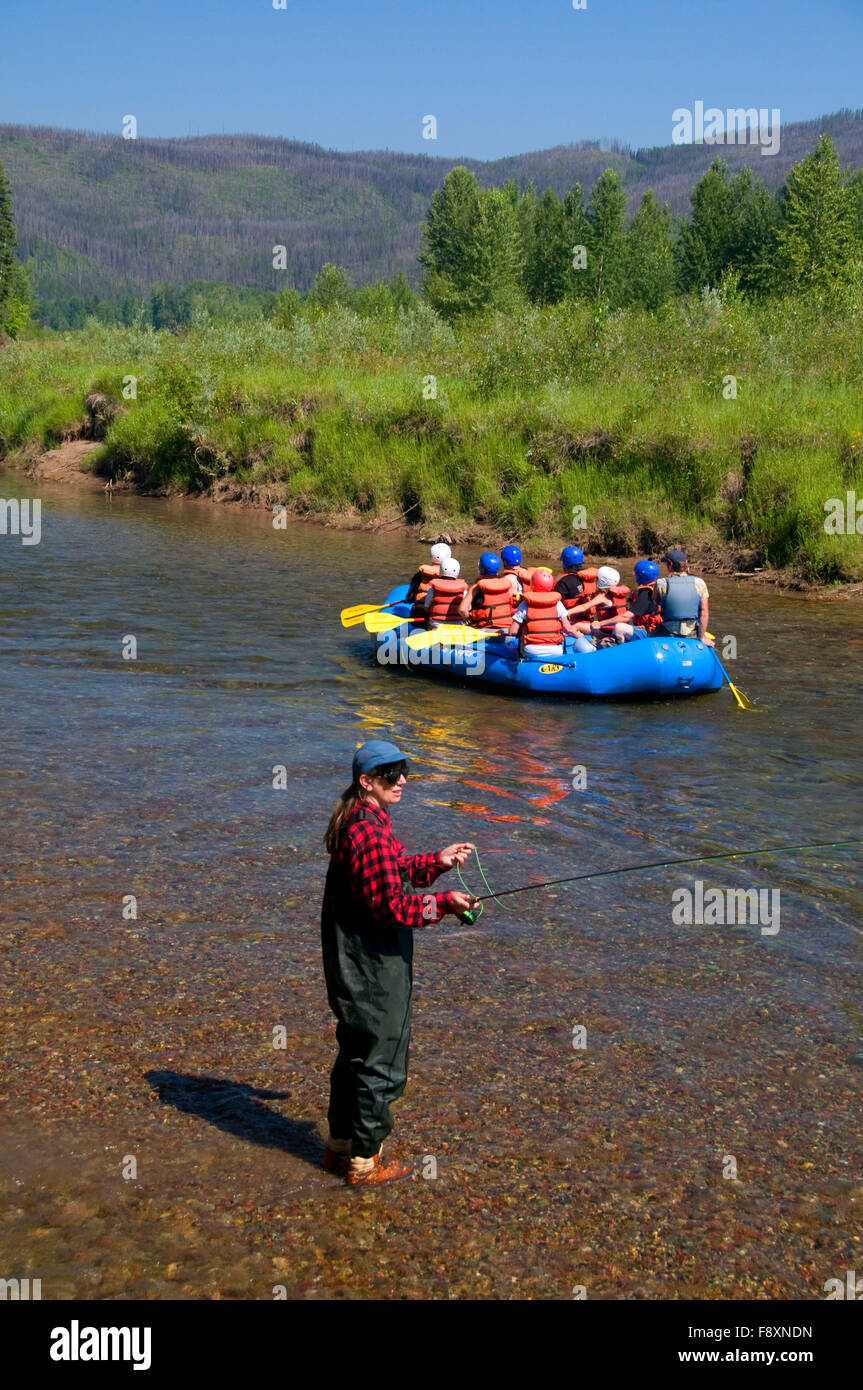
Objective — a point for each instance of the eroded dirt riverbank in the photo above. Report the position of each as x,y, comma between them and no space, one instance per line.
66,466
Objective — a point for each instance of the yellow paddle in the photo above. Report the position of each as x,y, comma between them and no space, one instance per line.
452,635
380,621
743,700
351,617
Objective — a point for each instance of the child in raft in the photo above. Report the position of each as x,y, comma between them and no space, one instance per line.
511,557
540,620
494,597
641,615
445,594
609,602
418,587
570,585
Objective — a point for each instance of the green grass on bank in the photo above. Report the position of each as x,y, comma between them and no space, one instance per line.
624,416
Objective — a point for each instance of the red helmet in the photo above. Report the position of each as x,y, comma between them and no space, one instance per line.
542,580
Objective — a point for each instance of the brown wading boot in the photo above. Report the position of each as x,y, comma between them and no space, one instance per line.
335,1161
369,1170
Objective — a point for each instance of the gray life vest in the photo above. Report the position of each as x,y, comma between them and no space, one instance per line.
680,603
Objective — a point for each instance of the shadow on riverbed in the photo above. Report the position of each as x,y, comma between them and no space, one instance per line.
236,1108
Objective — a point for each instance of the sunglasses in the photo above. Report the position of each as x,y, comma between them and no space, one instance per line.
391,772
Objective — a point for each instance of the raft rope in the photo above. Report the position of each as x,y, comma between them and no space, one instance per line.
655,864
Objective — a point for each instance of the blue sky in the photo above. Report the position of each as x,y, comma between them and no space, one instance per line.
500,76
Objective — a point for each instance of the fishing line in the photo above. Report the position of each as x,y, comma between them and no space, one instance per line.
471,916
655,864
475,916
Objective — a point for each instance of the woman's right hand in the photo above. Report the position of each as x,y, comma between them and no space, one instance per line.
458,902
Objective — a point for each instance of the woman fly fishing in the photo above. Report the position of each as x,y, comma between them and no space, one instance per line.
376,895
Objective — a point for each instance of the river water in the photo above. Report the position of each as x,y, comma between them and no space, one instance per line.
158,1144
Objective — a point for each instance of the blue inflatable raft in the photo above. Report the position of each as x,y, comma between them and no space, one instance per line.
653,666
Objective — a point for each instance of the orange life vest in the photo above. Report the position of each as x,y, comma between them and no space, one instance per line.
523,573
542,626
447,594
496,610
429,572
511,572
588,578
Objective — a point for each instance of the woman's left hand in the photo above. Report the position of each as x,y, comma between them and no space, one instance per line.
454,854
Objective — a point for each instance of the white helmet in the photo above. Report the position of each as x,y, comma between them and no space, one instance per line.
606,577
450,568
440,552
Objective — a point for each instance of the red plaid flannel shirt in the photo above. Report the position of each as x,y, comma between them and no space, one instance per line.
370,857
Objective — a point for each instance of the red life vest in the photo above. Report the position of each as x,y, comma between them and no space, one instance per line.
618,595
651,620
524,574
542,626
588,578
496,610
447,594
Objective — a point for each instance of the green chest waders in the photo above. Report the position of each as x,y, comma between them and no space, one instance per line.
368,967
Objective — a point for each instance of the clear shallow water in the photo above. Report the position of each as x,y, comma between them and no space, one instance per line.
242,664
154,777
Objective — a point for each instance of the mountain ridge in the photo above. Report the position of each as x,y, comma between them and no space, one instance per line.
99,215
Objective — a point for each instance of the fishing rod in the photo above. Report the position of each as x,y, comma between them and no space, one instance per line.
471,917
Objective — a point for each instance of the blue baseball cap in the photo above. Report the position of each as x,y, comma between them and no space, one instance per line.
376,753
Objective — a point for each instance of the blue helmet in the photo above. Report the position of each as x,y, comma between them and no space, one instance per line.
571,555
511,555
489,564
646,571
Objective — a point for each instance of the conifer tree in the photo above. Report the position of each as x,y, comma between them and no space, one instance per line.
526,210
606,216
473,249
287,306
401,293
549,258
16,312
332,286
758,215
706,242
450,237
815,235
649,260
577,234
854,196
8,242
497,273
731,228
510,188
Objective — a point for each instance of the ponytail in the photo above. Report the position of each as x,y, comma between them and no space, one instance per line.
345,804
